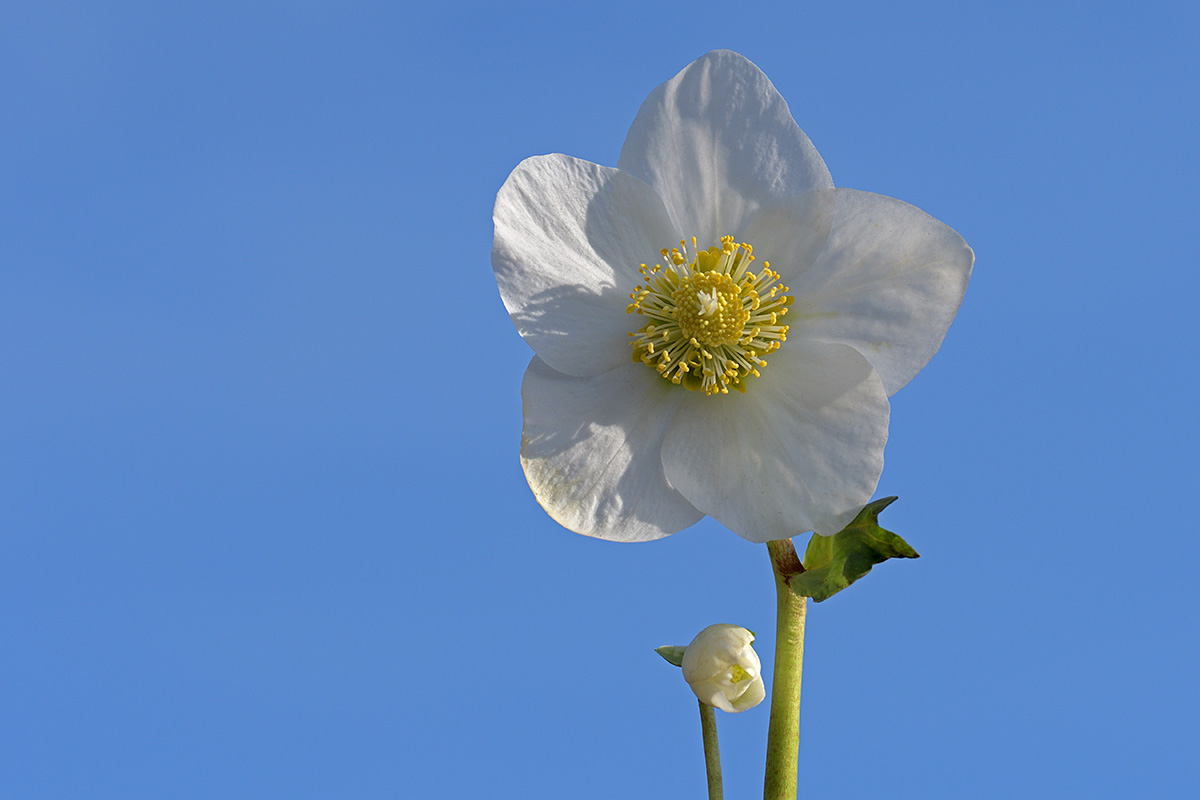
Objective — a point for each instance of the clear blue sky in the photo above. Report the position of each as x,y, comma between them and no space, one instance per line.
263,530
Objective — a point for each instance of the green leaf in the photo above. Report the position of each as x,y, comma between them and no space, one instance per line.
831,563
673,653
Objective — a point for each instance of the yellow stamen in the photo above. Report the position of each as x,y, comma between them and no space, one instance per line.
710,319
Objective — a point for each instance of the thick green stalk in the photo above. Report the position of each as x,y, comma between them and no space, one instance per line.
712,753
783,735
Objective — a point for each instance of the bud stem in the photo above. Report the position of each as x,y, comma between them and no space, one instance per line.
712,752
783,733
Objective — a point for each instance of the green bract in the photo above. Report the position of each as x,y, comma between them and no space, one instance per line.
831,563
673,653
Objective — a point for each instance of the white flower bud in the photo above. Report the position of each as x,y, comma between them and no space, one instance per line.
723,669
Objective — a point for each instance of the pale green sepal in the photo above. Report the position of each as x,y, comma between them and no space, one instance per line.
831,563
673,653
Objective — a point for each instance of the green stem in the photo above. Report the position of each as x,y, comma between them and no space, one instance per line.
712,753
783,735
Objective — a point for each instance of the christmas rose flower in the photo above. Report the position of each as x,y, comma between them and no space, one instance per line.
723,669
717,329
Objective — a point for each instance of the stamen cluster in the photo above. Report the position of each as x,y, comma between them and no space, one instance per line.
710,319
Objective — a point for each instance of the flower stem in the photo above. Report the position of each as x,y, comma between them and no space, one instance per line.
783,735
712,752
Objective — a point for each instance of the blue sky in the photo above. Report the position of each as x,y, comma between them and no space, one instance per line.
263,530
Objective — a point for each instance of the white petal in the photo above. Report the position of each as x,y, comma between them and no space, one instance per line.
753,695
748,660
888,283
570,236
801,450
790,233
590,449
714,650
712,692
716,142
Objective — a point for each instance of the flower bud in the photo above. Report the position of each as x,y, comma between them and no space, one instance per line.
723,669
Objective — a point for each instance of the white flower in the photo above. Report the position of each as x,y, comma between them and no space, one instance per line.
723,669
650,291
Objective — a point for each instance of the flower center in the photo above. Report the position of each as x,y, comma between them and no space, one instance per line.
738,674
711,320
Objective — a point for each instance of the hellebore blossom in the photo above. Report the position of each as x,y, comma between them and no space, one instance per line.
723,669
717,329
